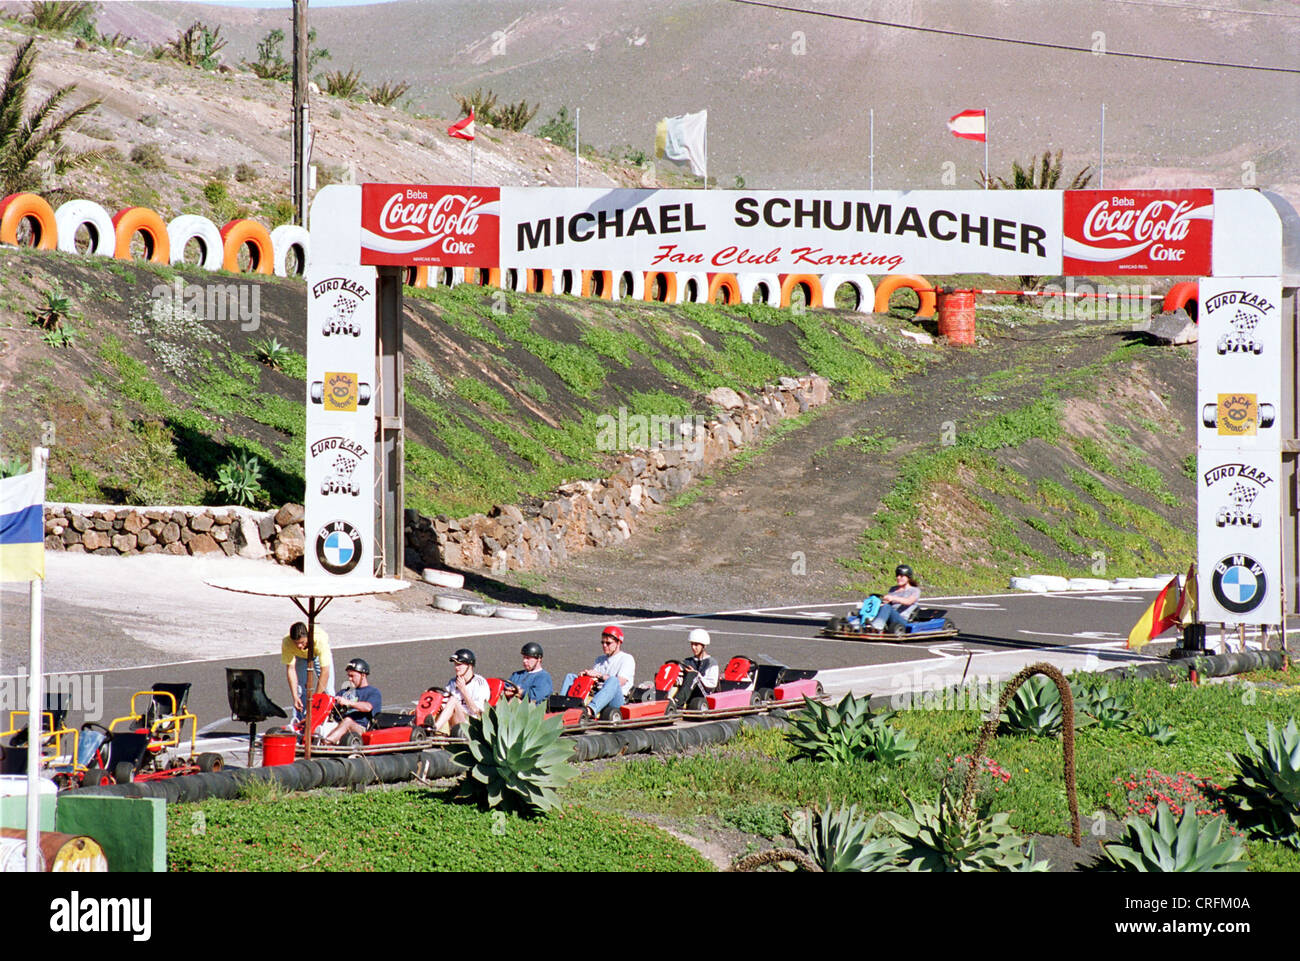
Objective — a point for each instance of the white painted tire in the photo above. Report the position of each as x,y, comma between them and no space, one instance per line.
283,239
1089,584
637,287
1028,584
444,578
1051,582
189,227
452,604
701,288
478,610
513,279
76,213
567,281
861,283
516,614
749,283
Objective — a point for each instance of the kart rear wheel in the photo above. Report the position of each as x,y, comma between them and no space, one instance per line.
762,696
948,624
610,713
899,630
837,624
123,772
820,690
697,704
419,735
351,739
210,763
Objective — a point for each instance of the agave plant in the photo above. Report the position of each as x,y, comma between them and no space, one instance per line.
833,734
939,837
272,353
1187,844
239,478
837,839
1035,709
516,758
1267,787
886,744
1109,710
1158,731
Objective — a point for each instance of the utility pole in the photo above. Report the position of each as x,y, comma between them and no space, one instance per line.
298,175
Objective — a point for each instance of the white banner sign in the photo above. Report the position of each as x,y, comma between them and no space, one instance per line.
340,502
1239,543
1239,371
783,231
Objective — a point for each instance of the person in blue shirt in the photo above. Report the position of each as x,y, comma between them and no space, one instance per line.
361,705
532,683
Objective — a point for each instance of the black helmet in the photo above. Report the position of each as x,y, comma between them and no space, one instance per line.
359,665
905,570
463,656
531,649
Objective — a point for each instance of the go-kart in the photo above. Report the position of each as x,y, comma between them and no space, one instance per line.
922,623
148,745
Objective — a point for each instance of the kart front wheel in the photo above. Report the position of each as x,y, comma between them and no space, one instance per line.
123,772
210,763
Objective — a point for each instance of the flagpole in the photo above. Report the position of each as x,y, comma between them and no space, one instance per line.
1102,180
35,716
577,139
871,149
987,172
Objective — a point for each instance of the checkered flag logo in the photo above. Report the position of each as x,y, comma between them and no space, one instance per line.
1242,495
343,467
1245,322
344,308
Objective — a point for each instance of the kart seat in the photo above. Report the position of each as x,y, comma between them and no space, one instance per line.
161,707
127,747
246,692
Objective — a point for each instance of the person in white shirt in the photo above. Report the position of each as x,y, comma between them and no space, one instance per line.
705,667
616,669
466,694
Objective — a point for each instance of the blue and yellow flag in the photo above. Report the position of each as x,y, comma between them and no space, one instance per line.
22,527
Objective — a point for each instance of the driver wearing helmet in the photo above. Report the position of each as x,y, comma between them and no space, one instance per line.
616,669
466,694
532,683
706,668
898,606
361,703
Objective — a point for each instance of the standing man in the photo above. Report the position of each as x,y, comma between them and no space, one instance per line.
362,703
293,655
704,667
615,668
532,683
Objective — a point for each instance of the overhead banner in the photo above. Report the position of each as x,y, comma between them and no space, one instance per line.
782,231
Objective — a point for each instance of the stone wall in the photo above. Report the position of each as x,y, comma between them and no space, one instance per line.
603,512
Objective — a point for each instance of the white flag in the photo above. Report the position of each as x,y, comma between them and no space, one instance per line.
685,138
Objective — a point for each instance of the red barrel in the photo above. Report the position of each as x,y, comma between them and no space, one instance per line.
278,749
957,316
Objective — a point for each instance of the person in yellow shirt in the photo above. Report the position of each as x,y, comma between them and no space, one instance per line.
293,655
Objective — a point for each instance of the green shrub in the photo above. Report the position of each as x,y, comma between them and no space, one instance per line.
1267,788
148,156
516,758
245,172
1035,710
938,837
1188,844
240,478
838,839
836,734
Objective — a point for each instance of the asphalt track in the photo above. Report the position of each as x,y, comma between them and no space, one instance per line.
998,635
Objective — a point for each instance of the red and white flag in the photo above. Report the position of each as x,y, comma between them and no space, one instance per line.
463,128
969,124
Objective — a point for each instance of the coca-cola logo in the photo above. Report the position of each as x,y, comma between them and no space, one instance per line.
1138,231
1158,220
448,214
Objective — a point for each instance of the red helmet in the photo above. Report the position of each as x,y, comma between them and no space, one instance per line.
615,632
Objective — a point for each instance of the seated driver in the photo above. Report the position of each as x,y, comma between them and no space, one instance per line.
361,704
898,606
699,662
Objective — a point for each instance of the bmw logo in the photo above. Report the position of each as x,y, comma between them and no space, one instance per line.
1239,583
338,547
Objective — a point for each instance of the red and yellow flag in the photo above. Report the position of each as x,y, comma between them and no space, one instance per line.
1159,617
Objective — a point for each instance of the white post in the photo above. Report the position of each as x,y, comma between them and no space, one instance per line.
871,149
987,173
471,162
1101,180
577,138
35,716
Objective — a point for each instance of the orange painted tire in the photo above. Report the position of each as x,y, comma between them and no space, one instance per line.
719,283
416,276
790,281
483,276
924,292
652,284
1183,294
598,283
130,221
235,235
538,281
16,208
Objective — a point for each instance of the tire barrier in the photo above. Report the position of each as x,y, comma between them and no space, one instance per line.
726,286
512,279
130,221
812,288
567,282
293,241
75,214
1185,295
924,291
237,235
767,286
862,286
692,288
660,287
411,276
1208,665
17,208
631,281
189,227
483,276
538,281
598,283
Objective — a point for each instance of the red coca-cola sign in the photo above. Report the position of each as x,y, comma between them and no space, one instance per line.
416,224
1138,231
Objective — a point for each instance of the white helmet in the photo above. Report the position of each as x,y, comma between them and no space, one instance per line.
699,636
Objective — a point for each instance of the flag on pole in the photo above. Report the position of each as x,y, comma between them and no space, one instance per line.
1191,603
463,128
969,124
22,527
685,138
1159,617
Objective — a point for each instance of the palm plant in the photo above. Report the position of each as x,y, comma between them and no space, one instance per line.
24,137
